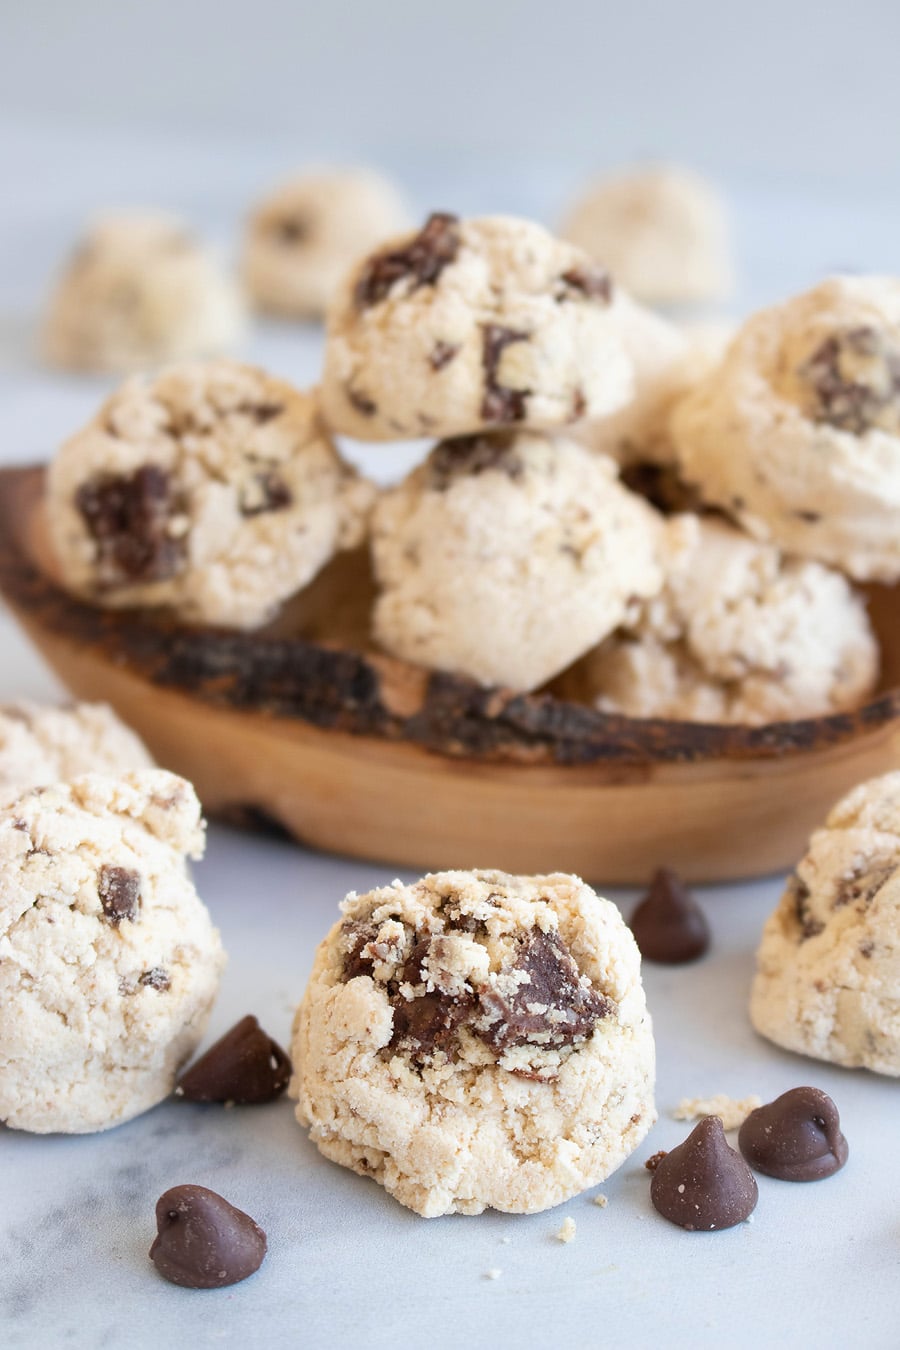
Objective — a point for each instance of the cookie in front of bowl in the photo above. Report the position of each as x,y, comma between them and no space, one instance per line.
42,744
140,289
211,489
470,326
109,962
797,433
828,965
738,633
476,1040
507,557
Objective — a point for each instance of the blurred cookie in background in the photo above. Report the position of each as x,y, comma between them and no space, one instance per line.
662,231
140,289
304,235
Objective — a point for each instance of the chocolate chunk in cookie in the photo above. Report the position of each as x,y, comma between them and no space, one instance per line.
421,261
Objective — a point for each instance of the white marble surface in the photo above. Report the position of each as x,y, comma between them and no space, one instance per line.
818,1266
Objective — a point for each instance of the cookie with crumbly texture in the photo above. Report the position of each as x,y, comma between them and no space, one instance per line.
507,557
738,633
661,230
41,744
306,234
476,1040
469,326
139,290
212,489
797,433
827,980
109,963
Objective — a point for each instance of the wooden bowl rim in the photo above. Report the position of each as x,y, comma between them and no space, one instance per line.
368,694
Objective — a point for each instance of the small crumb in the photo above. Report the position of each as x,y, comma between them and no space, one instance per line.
493,1274
655,1159
505,1241
731,1111
567,1232
600,1201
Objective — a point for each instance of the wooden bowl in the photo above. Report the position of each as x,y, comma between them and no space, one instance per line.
304,725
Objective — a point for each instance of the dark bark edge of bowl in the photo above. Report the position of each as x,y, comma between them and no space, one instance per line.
371,695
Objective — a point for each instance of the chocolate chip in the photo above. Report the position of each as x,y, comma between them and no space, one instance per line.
593,282
203,1242
244,1066
795,1138
500,404
361,402
261,412
157,978
579,406
292,229
469,456
662,485
854,381
809,517
703,1184
668,924
119,889
798,894
554,1006
862,886
264,492
128,518
442,353
422,260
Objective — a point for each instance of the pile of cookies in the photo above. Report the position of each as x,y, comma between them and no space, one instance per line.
671,530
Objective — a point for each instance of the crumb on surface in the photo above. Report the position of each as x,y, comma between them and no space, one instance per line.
732,1111
493,1274
655,1159
567,1231
601,1201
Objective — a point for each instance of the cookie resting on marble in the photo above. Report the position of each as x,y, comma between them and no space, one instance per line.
476,1040
829,960
470,326
139,290
211,489
109,963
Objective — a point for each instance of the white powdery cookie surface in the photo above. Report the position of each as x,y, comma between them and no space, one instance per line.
738,633
505,558
41,744
469,326
212,489
476,1040
797,433
109,963
828,966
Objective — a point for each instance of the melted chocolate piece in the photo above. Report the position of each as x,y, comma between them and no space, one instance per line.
128,518
244,1066
854,377
265,492
203,1242
662,486
471,455
795,1138
442,353
865,886
593,282
554,986
668,925
157,978
422,260
292,229
703,1184
119,889
500,404
800,897
261,412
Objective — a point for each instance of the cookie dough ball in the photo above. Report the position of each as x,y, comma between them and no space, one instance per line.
468,326
109,963
662,231
505,558
140,290
828,966
476,1040
212,489
797,434
40,745
303,237
738,634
